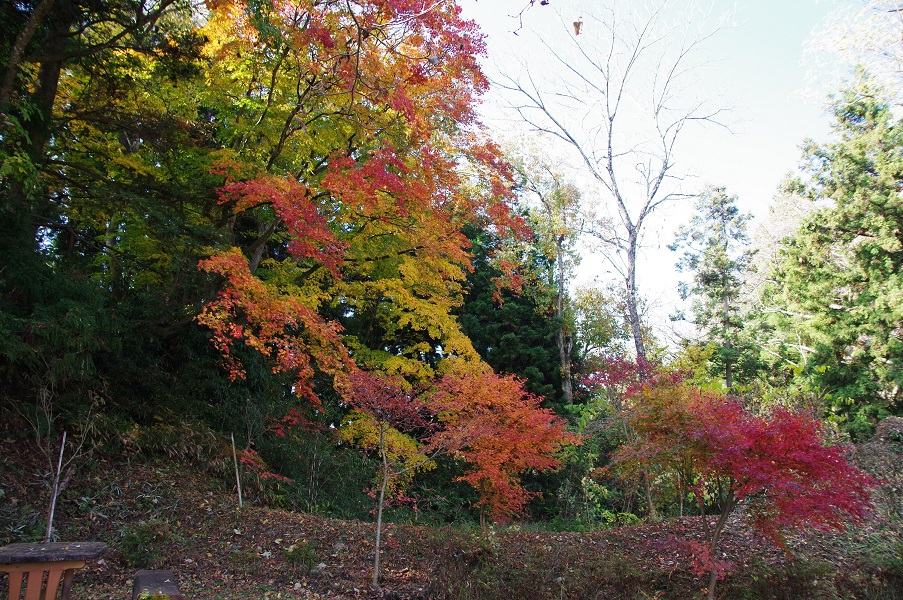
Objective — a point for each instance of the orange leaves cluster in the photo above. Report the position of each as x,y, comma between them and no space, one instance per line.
501,431
279,326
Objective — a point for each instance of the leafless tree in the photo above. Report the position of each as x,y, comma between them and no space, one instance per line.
621,94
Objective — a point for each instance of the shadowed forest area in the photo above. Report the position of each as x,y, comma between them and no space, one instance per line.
266,280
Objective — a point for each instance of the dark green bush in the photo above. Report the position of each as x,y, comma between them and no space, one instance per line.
140,545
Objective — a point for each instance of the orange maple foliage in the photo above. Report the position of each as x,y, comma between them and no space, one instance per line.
353,148
492,423
278,326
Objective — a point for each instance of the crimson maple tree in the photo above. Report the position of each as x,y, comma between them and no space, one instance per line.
776,465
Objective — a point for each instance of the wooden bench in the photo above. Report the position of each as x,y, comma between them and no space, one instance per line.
159,585
41,567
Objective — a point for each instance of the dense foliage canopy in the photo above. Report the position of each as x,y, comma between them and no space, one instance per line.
284,220
831,316
290,180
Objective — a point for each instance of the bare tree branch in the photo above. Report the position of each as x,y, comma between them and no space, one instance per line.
625,69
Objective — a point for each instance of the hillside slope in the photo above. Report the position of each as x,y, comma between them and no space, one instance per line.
155,514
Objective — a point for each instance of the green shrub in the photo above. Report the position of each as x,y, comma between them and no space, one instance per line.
140,544
302,555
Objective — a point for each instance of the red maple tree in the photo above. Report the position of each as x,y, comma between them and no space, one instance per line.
776,465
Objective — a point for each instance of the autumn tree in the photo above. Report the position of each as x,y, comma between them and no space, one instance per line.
715,251
345,181
775,465
387,417
290,180
500,431
621,58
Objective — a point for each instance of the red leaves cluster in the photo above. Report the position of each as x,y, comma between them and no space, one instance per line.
295,421
776,464
366,186
310,236
793,478
252,461
698,556
389,399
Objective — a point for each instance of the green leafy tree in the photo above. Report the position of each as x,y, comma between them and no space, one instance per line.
513,330
834,308
555,217
602,323
715,250
100,216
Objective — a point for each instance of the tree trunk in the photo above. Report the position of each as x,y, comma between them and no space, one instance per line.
729,505
255,252
647,480
22,40
633,313
38,129
37,125
725,307
565,341
713,579
728,372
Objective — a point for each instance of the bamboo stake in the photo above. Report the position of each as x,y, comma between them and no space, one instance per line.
56,490
237,478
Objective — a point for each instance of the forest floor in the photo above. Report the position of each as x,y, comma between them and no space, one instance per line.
164,515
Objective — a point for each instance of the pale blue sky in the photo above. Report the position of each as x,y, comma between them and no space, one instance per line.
754,65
